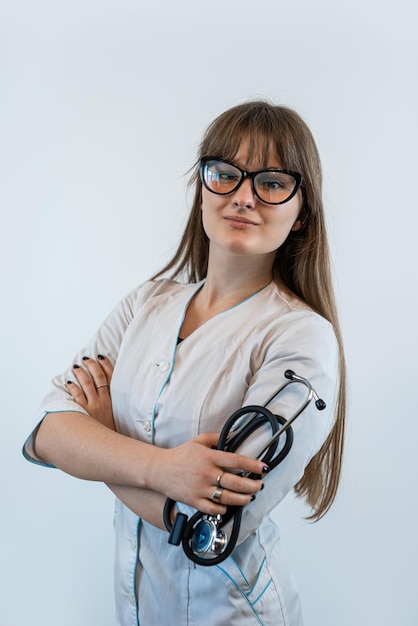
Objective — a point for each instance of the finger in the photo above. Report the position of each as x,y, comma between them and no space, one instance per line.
76,393
239,462
211,508
96,372
240,485
230,460
223,499
210,440
106,365
86,382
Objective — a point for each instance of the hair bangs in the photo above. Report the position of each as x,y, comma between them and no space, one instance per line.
226,134
269,131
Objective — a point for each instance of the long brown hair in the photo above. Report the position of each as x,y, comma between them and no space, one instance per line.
302,263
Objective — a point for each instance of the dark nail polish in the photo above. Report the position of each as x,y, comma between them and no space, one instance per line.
86,358
100,357
76,367
266,469
69,382
252,498
262,487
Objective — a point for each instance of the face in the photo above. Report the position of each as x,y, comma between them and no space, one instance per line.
240,223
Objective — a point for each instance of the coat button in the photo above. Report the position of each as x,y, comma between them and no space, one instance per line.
164,366
146,426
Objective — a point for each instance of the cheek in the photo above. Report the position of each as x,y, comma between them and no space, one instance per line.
279,229
210,206
204,204
208,200
290,216
208,213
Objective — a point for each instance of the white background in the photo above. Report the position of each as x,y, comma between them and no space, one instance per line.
96,99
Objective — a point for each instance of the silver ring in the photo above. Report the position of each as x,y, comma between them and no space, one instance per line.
104,385
218,480
216,497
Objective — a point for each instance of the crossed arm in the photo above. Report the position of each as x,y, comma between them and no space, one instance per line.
139,474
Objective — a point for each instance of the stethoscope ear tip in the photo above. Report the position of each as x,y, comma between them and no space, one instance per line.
289,374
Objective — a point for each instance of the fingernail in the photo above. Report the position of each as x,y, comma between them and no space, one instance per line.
262,486
85,358
266,469
76,367
100,357
252,498
69,382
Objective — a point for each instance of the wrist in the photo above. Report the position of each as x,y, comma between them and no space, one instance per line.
152,474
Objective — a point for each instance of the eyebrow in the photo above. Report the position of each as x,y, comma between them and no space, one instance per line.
258,169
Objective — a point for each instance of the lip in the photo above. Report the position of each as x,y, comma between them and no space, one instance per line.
235,219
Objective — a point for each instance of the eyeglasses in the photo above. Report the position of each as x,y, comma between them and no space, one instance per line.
270,186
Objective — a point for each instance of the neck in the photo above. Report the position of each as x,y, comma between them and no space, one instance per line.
228,282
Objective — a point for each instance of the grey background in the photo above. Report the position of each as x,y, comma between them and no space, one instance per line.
95,99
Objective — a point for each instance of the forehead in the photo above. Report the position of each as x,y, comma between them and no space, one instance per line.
256,157
264,147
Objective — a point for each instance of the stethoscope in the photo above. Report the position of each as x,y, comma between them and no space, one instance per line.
201,536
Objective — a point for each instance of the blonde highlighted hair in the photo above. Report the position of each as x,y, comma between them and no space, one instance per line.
302,263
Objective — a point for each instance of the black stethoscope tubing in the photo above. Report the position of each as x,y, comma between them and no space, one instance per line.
181,531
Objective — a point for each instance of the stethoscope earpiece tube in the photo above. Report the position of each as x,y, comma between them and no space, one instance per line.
202,536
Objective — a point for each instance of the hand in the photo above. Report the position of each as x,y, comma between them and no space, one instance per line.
188,473
93,389
192,472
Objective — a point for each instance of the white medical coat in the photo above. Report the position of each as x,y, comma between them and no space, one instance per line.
165,393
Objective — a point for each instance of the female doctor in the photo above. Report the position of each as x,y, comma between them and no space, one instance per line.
142,404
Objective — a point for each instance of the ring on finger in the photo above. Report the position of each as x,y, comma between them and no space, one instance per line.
216,497
104,385
218,480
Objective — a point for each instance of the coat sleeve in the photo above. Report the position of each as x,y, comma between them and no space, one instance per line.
308,346
107,341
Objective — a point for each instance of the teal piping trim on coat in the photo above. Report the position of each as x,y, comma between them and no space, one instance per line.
154,410
135,591
263,592
245,578
30,458
259,574
241,572
243,594
35,461
199,286
247,298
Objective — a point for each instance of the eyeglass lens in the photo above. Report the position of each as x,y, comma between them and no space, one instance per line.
272,187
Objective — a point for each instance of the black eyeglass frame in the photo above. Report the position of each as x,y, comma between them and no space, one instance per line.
298,179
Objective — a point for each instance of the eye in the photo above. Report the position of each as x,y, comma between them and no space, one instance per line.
221,177
227,177
275,181
272,185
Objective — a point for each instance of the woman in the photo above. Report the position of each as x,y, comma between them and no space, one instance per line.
257,300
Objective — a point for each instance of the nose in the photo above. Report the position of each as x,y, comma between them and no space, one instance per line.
244,197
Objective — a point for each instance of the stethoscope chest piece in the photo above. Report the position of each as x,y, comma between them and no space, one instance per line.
208,540
202,537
